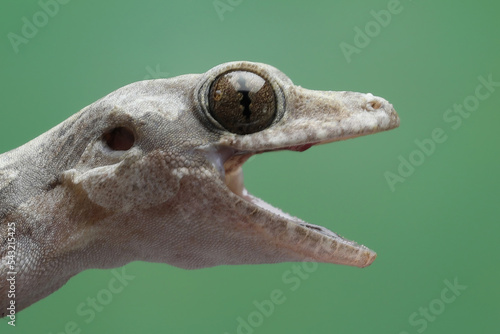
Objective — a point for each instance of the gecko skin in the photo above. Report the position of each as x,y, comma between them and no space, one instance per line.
153,172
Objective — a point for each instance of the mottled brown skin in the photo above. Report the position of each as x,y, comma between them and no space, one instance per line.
147,173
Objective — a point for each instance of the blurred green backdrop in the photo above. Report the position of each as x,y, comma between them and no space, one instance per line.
434,223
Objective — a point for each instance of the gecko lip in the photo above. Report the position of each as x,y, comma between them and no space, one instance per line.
338,249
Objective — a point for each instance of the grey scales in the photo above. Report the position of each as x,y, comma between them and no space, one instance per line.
153,172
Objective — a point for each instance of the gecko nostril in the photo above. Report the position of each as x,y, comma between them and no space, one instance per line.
375,104
119,139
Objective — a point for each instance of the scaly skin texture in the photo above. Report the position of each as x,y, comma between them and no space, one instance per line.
70,200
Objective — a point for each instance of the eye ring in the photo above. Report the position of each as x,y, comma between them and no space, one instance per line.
242,101
278,81
119,138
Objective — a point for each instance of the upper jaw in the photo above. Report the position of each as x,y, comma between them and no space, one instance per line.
317,117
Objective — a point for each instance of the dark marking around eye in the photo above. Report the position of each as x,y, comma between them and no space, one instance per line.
242,102
119,139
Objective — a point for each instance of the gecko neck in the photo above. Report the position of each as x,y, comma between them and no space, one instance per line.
43,251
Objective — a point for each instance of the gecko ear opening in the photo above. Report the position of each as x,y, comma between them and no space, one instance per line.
119,139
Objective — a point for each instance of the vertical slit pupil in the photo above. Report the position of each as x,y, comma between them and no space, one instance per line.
245,101
119,139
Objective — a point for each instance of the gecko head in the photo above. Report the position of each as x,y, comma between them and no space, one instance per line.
255,108
164,161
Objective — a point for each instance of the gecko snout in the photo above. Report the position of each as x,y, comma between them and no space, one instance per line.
373,103
376,104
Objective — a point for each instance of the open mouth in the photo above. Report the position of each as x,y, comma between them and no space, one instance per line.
314,242
307,118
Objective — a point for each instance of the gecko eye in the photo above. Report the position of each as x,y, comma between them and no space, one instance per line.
119,139
242,102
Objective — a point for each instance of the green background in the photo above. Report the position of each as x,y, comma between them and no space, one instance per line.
439,225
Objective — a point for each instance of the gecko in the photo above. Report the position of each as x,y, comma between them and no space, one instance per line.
153,172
